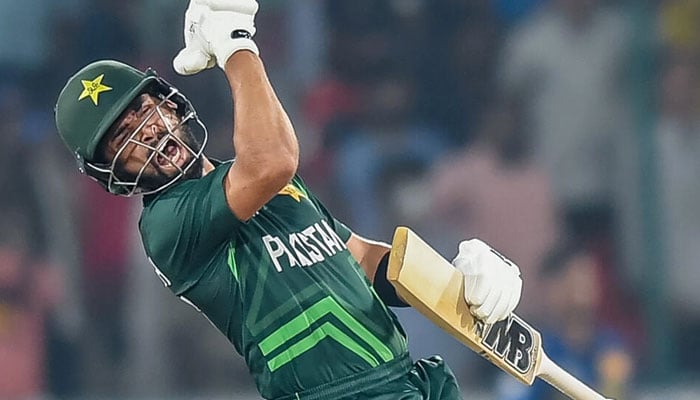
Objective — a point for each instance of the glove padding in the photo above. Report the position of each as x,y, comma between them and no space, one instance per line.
194,57
492,284
213,32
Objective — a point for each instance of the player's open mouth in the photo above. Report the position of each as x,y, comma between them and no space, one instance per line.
170,154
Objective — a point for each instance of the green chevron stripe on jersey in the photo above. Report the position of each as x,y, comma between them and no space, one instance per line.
303,321
320,333
273,317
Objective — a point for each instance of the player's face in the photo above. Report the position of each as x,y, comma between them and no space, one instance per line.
150,145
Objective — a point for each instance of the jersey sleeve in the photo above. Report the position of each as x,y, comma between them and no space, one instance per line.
340,228
184,225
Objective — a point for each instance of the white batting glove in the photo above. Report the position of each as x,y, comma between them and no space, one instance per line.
194,57
229,27
214,30
492,284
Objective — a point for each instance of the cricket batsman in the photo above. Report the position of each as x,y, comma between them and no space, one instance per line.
301,297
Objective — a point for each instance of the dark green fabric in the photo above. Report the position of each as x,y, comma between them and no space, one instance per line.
429,379
282,286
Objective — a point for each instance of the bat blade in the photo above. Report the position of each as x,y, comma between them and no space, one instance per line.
431,285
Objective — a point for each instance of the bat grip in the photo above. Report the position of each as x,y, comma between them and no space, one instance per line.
566,383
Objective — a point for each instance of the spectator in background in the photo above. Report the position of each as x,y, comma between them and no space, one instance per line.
105,237
387,133
510,202
678,141
573,334
29,169
361,32
456,69
29,288
329,106
357,30
566,62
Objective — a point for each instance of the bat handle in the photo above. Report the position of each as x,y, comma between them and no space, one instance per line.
566,383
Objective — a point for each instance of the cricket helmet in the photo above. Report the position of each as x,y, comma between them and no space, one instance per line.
93,100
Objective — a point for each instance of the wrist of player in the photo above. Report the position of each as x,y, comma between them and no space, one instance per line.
384,289
224,51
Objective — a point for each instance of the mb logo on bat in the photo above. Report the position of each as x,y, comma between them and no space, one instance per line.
510,340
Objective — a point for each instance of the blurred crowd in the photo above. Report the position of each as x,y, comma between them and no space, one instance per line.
565,133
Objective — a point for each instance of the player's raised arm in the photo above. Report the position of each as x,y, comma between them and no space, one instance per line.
267,152
266,147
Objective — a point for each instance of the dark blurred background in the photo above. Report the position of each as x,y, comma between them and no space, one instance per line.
566,133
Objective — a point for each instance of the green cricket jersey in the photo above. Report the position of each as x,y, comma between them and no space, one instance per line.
282,286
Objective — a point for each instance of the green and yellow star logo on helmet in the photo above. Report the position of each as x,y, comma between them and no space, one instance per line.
82,123
93,88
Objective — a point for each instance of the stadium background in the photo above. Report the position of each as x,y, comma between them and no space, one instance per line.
527,123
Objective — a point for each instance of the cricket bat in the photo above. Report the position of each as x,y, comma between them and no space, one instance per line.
431,285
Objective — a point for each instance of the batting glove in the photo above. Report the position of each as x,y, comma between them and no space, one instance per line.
492,284
214,30
194,57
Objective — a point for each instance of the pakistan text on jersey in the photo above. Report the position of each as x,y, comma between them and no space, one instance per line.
308,247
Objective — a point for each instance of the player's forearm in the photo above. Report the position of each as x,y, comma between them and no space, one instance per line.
263,138
367,253
373,258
